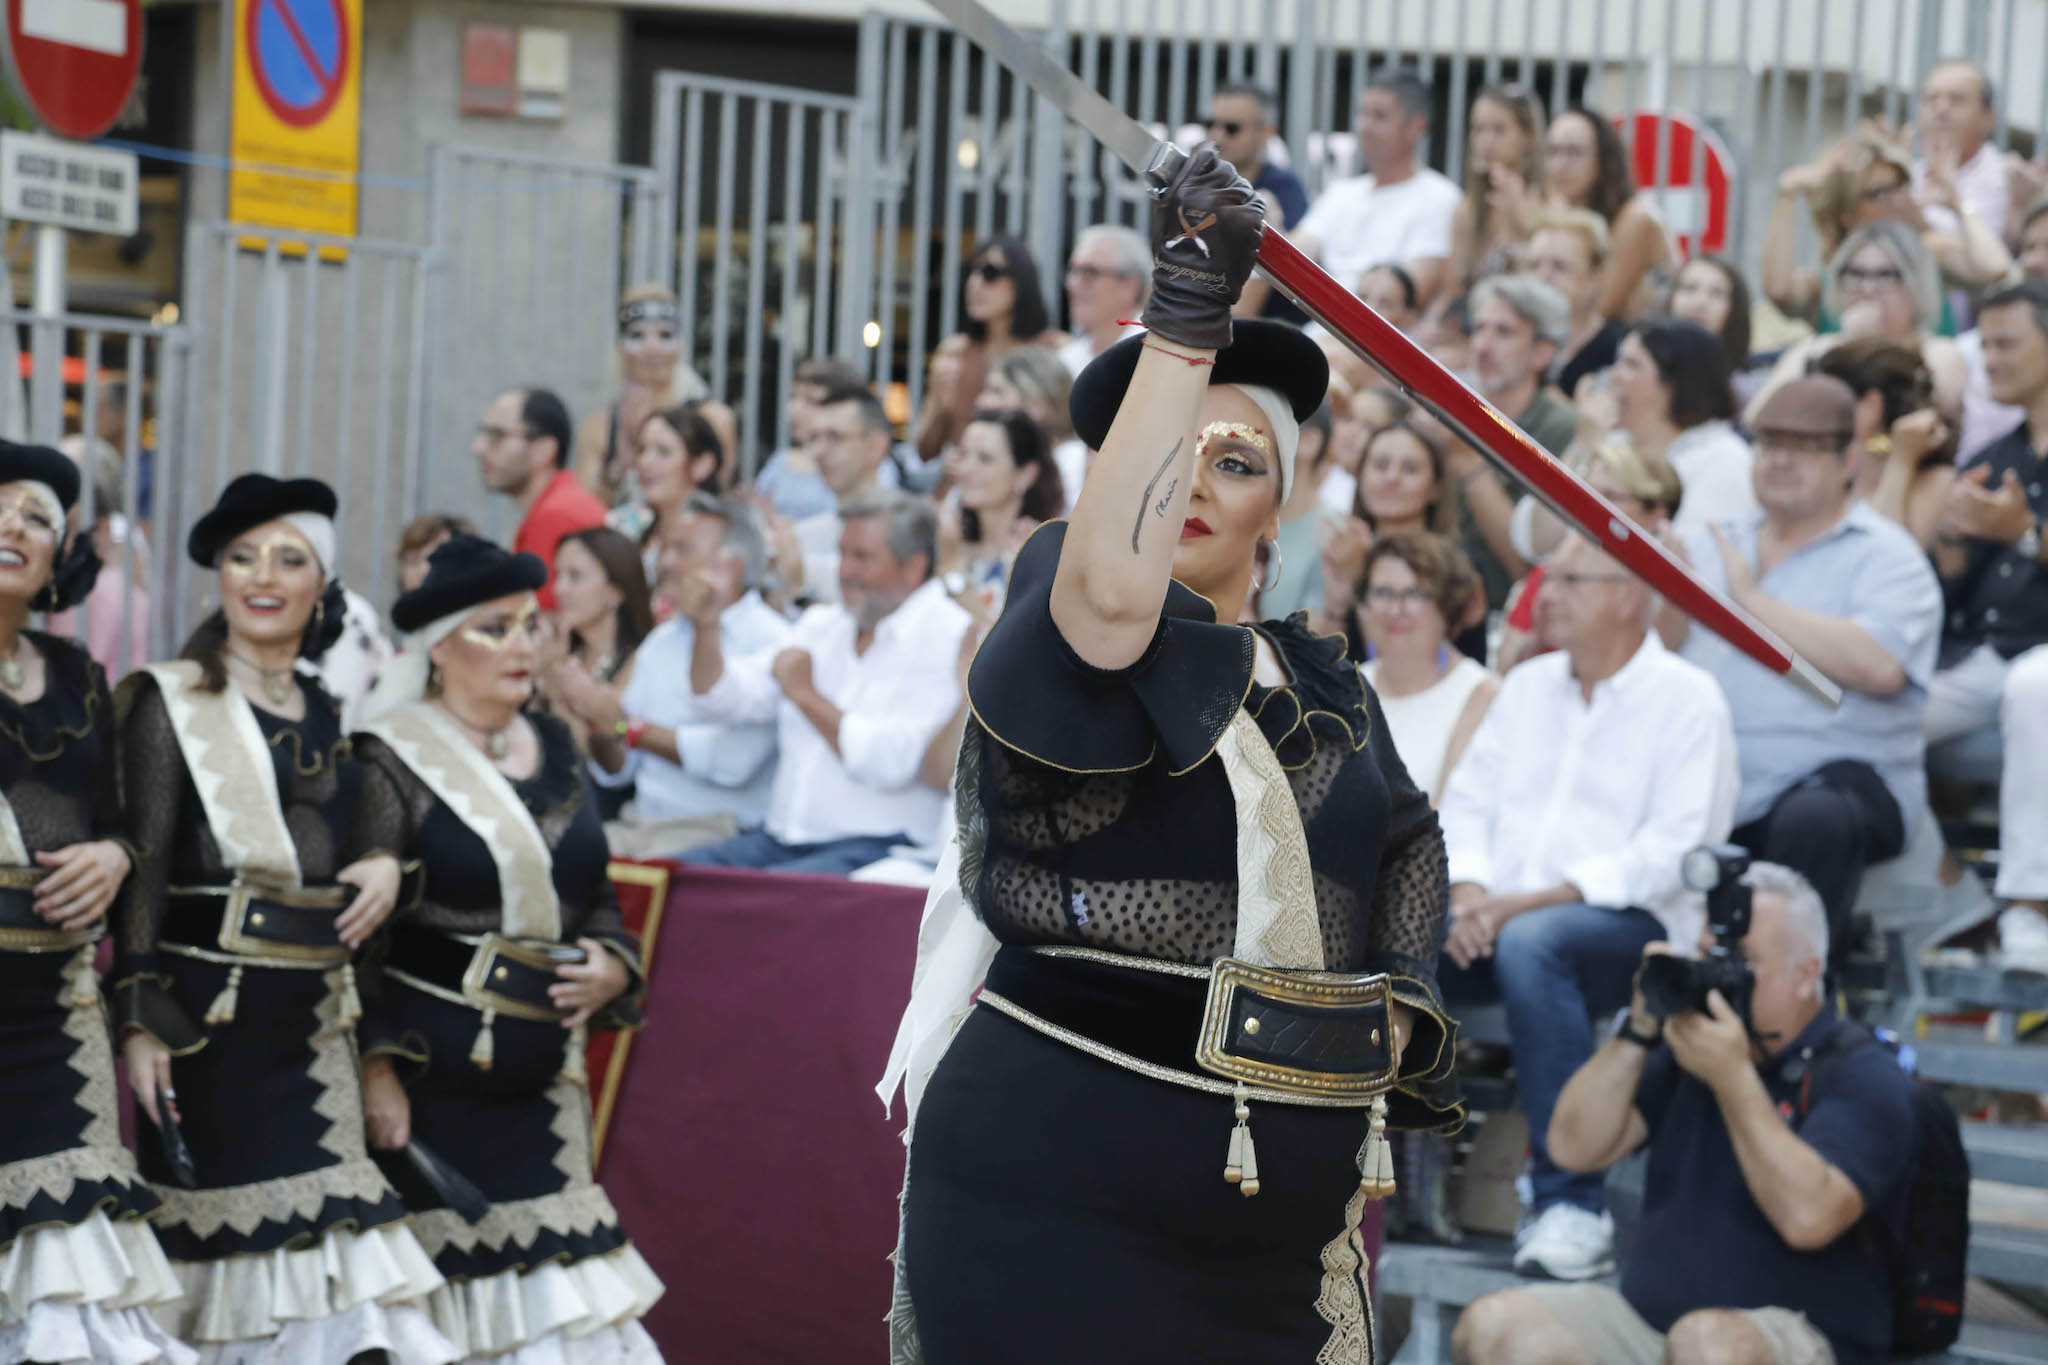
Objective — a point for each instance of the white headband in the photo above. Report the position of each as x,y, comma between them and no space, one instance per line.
1286,431
319,533
404,679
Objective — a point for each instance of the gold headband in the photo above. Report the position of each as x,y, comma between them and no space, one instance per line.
1235,431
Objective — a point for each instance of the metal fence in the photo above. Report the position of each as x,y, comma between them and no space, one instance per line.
135,373
312,358
535,252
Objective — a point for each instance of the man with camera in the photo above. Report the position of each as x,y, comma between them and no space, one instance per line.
1748,1249
1824,789
1595,769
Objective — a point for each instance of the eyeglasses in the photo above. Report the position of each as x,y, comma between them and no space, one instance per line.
1875,193
1398,599
1855,276
498,435
1800,443
992,271
1564,152
1089,274
1227,127
1575,581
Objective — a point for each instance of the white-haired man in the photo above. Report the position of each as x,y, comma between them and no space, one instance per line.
1595,769
1748,1249
1109,277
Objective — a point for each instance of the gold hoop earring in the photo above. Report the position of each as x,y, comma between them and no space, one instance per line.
1278,563
433,680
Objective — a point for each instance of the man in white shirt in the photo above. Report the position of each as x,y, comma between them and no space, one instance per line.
856,693
1596,769
696,780
850,441
1398,212
1957,117
1109,277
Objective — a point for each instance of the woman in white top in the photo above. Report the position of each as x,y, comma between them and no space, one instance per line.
1413,586
1671,395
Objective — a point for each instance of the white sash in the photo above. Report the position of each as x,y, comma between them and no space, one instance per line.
231,769
13,849
459,773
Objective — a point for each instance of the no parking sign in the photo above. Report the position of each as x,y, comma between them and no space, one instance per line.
297,114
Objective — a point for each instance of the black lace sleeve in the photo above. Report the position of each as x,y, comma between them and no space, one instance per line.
384,824
607,925
1410,898
109,820
153,775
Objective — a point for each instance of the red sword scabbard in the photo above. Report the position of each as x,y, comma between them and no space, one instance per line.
1424,379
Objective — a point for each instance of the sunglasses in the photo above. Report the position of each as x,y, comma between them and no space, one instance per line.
991,271
1227,127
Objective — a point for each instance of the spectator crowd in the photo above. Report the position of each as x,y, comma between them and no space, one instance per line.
769,674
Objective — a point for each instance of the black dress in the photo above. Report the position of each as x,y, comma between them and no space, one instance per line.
1061,1207
519,1130
72,1206
293,1247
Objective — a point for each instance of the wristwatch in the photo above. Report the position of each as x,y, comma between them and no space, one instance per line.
1622,1030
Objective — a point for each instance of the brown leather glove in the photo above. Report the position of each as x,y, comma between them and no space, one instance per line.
1205,238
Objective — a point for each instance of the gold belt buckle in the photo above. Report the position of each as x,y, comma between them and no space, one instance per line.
487,965
242,917
1237,988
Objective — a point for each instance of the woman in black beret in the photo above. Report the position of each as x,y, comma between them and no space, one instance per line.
234,983
73,1210
492,975
1211,894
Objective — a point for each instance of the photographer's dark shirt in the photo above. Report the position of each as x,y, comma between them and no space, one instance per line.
1703,1242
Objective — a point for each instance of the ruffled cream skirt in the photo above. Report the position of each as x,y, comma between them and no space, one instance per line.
83,1293
320,1305
581,1313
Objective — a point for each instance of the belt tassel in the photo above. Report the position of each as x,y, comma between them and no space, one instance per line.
1241,1164
222,1010
85,982
484,1050
1376,1164
351,1002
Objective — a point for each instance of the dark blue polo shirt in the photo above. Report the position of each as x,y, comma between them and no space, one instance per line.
1704,1243
1293,196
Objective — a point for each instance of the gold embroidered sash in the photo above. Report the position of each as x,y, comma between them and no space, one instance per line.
1277,924
455,770
231,769
13,849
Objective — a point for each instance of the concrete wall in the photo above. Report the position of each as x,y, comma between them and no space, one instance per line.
276,386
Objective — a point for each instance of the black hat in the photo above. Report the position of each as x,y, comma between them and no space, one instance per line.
1271,354
464,572
20,463
252,500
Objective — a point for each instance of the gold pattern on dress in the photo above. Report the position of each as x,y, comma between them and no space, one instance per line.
579,1208
244,1208
229,763
99,1155
1343,1303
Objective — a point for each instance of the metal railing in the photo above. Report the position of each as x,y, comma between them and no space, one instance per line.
142,367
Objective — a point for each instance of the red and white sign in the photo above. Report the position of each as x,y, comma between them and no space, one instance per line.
75,61
1695,214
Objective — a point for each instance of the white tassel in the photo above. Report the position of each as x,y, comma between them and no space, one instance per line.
222,1010
483,1051
85,982
1376,1168
575,1065
351,1003
1241,1165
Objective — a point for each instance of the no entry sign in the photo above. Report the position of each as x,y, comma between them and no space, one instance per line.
1696,212
75,61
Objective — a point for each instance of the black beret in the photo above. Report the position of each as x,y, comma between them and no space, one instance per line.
1270,354
252,500
463,572
20,463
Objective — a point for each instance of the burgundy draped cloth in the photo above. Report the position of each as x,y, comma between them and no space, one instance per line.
746,1153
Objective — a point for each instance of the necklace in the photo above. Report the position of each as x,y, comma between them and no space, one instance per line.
12,675
496,743
277,682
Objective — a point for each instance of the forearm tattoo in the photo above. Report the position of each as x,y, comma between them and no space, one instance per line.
1165,500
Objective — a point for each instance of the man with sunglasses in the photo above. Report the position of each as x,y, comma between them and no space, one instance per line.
1241,123
1596,768
1824,790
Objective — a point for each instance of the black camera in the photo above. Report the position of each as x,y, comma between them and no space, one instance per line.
1673,985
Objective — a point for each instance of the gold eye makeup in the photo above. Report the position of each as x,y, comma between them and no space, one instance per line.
280,550
31,511
1239,432
499,633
